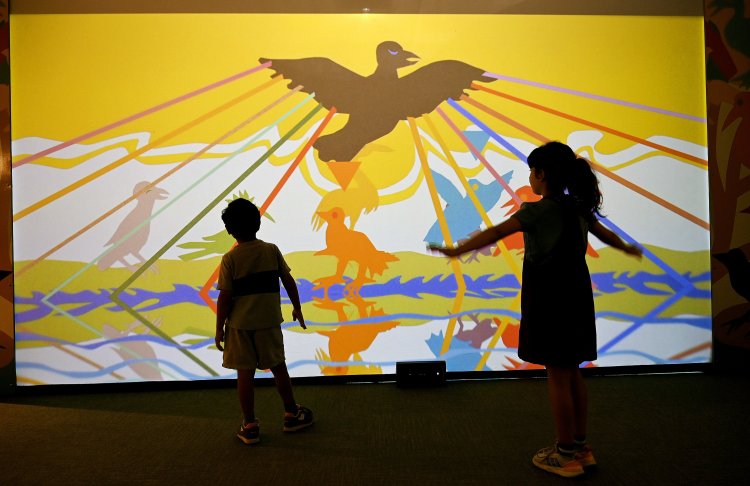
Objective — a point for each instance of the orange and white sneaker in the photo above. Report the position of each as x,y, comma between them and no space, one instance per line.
585,455
552,461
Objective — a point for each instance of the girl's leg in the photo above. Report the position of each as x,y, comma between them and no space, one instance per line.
246,393
564,387
560,381
284,387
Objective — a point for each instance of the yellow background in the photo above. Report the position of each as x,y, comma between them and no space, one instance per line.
75,73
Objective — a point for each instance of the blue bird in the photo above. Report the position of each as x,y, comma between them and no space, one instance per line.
462,217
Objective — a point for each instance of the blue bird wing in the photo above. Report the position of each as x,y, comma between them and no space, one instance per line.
446,189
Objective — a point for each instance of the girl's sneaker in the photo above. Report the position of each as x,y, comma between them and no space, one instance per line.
585,455
294,422
249,433
552,461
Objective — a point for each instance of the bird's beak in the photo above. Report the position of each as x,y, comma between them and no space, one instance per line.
410,57
326,215
160,193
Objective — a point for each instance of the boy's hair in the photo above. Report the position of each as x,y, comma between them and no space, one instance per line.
564,170
241,218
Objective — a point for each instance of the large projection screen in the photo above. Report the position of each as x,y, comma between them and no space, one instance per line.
131,131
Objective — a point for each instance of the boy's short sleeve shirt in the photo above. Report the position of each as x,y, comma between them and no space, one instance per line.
251,271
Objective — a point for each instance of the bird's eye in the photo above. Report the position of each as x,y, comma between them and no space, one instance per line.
392,53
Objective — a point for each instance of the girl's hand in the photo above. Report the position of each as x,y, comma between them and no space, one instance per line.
450,252
633,250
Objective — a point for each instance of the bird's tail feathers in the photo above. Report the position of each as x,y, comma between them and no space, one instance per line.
380,263
106,261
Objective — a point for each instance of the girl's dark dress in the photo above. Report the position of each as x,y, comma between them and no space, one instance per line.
557,305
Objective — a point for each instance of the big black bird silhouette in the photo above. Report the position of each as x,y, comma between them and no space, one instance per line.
377,102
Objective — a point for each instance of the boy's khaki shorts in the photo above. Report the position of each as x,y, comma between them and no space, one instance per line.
257,349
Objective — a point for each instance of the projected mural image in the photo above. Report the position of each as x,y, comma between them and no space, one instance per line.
358,155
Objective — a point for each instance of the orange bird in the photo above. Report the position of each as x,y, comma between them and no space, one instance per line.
348,341
348,245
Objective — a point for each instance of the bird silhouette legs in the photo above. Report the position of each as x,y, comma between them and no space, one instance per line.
350,288
326,282
135,266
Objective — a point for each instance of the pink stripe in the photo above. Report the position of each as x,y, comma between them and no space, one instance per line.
479,155
606,99
141,114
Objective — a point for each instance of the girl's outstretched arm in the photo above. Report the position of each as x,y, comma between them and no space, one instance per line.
480,240
610,238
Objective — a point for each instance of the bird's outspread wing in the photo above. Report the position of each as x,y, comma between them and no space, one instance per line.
333,84
446,189
424,89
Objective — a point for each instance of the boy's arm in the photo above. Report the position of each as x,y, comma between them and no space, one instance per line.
480,240
291,290
223,306
610,238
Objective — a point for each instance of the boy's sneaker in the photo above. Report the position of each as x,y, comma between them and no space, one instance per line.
552,461
249,433
585,455
294,422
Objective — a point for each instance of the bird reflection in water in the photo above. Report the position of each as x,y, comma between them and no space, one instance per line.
348,340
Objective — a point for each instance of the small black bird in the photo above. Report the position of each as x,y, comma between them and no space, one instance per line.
375,103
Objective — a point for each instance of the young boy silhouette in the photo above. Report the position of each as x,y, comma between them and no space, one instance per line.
248,317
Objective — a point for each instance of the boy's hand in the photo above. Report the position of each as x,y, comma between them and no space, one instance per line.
218,339
297,316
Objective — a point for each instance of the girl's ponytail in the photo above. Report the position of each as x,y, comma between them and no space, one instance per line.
584,186
564,170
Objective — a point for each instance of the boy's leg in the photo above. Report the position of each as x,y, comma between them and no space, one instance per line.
580,405
296,417
246,394
284,387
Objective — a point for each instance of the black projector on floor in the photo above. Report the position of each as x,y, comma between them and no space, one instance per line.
420,373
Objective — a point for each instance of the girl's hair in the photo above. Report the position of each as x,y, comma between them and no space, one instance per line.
564,170
241,218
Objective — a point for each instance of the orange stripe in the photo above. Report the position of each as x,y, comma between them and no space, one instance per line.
215,275
692,350
104,170
207,287
666,204
154,183
296,162
606,172
582,121
86,360
513,123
